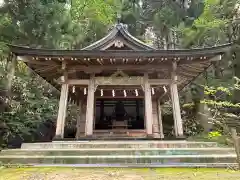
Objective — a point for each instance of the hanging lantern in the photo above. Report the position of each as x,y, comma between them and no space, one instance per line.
101,92
165,89
136,92
125,93
73,89
153,91
113,93
85,91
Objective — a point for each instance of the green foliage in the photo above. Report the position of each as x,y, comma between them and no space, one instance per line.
43,24
33,102
192,126
221,140
214,134
207,29
223,116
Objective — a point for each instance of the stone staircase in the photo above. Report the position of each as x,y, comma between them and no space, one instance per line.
129,153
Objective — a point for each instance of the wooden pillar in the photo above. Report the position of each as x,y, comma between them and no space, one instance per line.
62,107
160,119
178,125
83,119
156,129
79,119
148,106
90,107
62,112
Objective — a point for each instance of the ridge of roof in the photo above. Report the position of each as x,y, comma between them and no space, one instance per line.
118,28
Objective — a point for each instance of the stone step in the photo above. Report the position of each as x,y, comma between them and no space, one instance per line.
119,151
127,159
117,144
144,165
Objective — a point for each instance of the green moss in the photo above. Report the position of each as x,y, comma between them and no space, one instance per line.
145,173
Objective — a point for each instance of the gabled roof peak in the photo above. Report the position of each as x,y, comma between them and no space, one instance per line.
118,33
121,25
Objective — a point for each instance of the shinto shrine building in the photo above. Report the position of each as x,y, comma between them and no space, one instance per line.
118,83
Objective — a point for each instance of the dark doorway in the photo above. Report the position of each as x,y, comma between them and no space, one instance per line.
108,110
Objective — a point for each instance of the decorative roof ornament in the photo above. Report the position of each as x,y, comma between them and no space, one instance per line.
119,73
118,43
119,17
119,31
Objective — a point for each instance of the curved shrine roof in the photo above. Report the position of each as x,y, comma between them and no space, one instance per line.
119,50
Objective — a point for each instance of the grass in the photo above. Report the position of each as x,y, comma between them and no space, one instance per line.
117,174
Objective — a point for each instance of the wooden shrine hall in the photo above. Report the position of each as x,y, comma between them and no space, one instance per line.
118,83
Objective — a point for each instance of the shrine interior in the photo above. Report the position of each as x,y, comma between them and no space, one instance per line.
110,110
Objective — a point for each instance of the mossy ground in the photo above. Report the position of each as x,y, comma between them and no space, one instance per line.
117,174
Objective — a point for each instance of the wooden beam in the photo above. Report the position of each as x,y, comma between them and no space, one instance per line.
78,81
159,81
190,69
120,54
197,68
118,81
99,68
119,97
37,62
216,58
186,74
45,69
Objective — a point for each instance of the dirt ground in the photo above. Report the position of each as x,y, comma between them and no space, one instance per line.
117,174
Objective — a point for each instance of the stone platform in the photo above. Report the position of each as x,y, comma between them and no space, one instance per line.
129,153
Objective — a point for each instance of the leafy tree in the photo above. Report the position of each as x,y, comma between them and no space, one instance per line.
225,113
42,24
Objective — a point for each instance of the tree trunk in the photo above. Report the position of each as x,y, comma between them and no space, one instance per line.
11,66
236,145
